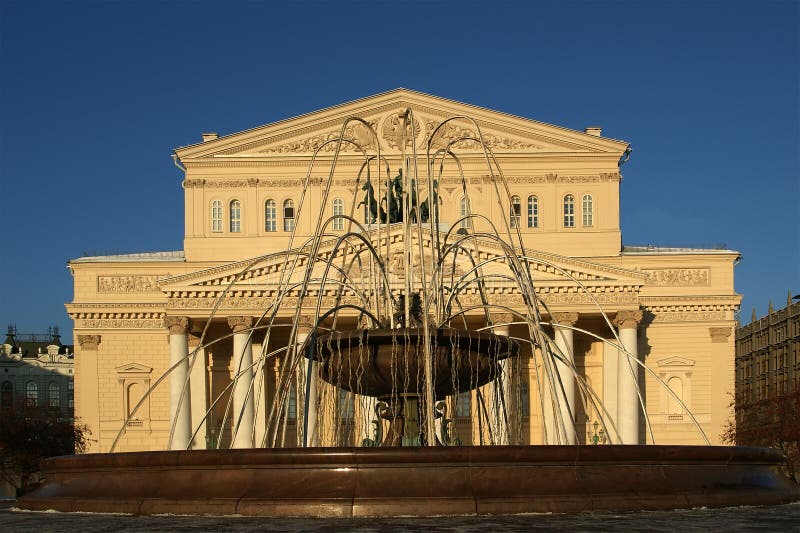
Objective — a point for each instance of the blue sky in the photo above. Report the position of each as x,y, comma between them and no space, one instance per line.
95,95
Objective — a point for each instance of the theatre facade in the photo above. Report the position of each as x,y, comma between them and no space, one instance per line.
673,308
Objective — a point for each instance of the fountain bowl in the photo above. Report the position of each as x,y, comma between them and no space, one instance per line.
385,362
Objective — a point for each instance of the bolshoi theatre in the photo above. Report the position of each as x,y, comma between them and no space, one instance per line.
251,196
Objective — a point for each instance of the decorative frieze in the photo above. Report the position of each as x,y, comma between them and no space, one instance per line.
281,183
689,316
678,277
120,323
132,283
227,184
193,183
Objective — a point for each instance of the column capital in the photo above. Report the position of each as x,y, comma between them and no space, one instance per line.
177,325
240,323
565,318
720,334
628,319
89,342
502,318
306,322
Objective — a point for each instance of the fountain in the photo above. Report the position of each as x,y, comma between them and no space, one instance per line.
395,296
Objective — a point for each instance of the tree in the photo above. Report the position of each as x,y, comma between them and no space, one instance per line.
773,422
28,435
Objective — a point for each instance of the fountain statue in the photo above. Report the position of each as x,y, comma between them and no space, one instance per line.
407,322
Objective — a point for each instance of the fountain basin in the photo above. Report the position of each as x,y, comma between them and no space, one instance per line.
386,362
343,482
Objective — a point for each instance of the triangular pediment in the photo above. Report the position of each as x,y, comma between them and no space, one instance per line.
262,273
133,368
383,127
676,361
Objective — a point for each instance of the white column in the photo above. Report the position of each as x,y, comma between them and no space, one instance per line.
500,402
303,330
199,387
628,381
180,411
564,339
242,362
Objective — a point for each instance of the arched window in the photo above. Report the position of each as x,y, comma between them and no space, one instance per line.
338,211
53,395
236,216
31,394
569,211
288,215
7,395
533,212
216,216
674,407
588,218
464,211
270,216
516,212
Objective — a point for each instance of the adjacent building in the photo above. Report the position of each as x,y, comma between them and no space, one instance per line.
672,307
768,377
37,369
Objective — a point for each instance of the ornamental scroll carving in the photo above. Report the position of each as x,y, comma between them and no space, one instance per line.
193,184
136,283
227,184
240,323
565,319
688,316
177,325
628,319
719,334
451,132
355,132
88,342
678,277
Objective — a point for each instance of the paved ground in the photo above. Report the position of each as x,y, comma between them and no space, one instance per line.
781,518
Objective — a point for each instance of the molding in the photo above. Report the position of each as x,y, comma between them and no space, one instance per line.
690,316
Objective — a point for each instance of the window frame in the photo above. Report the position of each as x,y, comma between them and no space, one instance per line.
270,222
235,216
289,223
515,212
338,211
587,214
216,216
568,210
533,211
